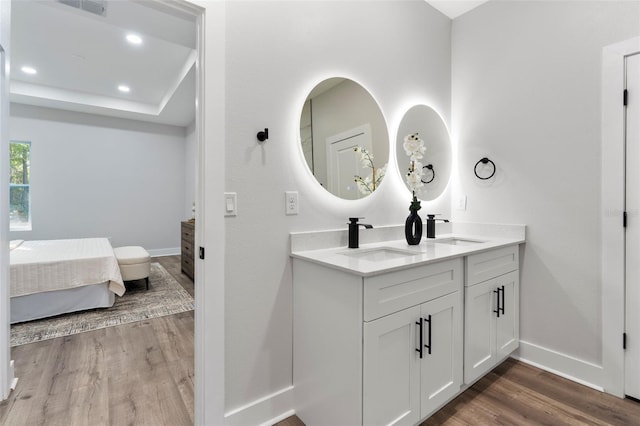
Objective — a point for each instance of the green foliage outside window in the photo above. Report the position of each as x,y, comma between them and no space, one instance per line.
19,183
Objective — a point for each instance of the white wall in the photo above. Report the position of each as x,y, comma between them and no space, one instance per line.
526,93
276,52
94,176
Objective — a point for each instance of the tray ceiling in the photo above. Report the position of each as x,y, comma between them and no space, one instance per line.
81,58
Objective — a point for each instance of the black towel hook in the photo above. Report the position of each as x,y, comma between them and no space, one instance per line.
433,173
484,160
263,135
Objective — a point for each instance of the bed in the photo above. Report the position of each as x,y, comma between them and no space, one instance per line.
52,277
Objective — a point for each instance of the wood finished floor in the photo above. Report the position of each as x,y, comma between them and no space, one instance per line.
134,374
516,394
142,374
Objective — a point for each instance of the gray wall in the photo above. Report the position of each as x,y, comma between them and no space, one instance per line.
526,93
94,176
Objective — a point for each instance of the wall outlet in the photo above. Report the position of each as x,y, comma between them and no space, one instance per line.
461,203
291,202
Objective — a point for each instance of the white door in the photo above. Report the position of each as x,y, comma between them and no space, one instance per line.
391,370
479,329
441,369
343,163
632,207
508,324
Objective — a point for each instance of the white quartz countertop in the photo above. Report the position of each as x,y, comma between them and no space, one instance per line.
386,256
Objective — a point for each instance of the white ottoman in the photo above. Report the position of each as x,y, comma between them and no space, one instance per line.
134,262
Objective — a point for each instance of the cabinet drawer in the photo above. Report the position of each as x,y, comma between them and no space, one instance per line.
187,231
187,266
490,264
187,249
388,293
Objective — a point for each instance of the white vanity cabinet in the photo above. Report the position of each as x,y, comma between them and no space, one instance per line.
357,353
491,330
401,383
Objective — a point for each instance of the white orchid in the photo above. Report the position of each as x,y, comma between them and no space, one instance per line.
414,180
366,158
414,146
369,183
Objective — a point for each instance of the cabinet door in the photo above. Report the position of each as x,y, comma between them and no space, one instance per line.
441,370
508,324
391,379
480,329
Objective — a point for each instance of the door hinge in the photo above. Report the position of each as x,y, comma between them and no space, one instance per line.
624,219
625,97
201,252
624,340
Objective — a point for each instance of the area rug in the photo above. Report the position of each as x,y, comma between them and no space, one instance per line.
164,297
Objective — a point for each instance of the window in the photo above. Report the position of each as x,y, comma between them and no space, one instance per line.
19,185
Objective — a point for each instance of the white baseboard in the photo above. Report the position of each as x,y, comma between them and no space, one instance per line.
264,411
164,252
563,365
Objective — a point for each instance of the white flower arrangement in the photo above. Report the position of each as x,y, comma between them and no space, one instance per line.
368,184
414,147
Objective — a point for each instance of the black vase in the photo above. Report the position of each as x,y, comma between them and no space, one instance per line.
413,228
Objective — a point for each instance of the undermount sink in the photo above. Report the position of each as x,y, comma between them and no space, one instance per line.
457,241
378,254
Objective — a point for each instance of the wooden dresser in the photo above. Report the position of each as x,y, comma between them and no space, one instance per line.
187,246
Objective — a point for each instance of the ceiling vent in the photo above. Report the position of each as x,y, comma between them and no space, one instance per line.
97,7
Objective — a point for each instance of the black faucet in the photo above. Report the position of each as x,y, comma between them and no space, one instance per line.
431,225
354,228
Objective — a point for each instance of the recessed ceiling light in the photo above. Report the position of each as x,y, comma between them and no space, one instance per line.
123,88
134,39
29,70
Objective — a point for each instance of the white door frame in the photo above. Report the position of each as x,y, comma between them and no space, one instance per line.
612,231
7,378
209,386
209,275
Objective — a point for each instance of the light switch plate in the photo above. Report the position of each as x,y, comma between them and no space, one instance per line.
461,202
230,204
291,202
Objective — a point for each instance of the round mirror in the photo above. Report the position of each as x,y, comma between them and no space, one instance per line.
344,138
431,166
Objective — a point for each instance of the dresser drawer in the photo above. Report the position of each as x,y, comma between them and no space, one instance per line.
187,231
187,249
392,292
187,266
491,264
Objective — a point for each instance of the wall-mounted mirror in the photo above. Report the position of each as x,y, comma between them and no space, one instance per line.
344,138
436,161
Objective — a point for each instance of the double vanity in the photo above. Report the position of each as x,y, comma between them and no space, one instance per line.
388,333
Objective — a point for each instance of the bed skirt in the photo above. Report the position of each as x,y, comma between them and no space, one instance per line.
50,303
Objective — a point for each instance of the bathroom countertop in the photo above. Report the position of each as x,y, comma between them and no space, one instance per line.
386,256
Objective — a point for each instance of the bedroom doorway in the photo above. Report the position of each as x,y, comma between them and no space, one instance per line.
197,14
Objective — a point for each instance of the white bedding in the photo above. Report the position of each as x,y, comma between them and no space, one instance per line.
50,265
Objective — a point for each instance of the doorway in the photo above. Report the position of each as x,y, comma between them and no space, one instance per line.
197,14
343,163
632,235
613,203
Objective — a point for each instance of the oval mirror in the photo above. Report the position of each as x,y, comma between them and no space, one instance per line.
423,123
344,138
